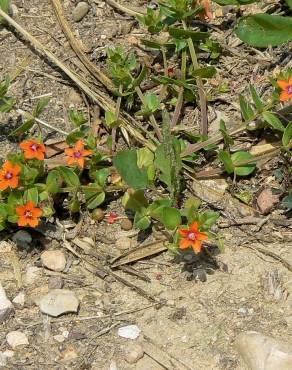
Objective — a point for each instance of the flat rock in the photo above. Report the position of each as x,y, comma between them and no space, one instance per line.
133,352
80,11
267,200
54,260
261,352
58,302
16,339
22,239
6,307
129,332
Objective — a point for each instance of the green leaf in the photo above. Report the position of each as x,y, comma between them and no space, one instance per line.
225,157
135,200
263,30
287,201
273,121
69,176
185,34
208,219
126,164
246,109
101,176
141,220
137,81
206,72
163,163
27,125
226,137
255,97
171,218
54,182
4,5
145,157
96,200
152,102
156,208
32,195
245,169
41,105
76,117
287,136
6,104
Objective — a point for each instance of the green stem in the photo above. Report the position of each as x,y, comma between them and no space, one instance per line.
152,118
117,113
180,98
201,91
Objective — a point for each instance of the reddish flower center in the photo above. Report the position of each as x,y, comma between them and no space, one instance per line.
8,175
192,236
34,147
289,89
77,154
27,214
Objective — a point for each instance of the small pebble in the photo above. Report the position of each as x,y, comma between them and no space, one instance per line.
59,338
55,282
58,302
22,239
266,201
129,332
19,300
242,311
54,260
16,339
6,307
133,352
126,224
80,11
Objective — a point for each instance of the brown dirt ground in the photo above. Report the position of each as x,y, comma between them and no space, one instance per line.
198,321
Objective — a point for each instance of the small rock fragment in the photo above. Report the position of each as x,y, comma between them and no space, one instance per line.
58,302
22,239
32,274
80,11
19,300
74,98
129,332
3,360
126,224
261,352
55,282
133,352
124,243
267,200
6,307
54,260
59,338
16,339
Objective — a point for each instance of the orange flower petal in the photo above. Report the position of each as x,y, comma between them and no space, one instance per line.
3,185
284,96
283,84
183,232
202,236
79,145
13,182
185,243
16,170
80,162
36,212
22,221
194,227
86,152
32,222
69,151
70,161
197,246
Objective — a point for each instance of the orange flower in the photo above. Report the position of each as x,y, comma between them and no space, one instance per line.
9,175
32,149
286,87
192,237
77,154
28,214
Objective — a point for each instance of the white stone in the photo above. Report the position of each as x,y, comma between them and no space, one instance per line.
58,302
124,243
33,273
54,260
19,300
59,338
6,307
129,332
16,339
80,11
261,352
